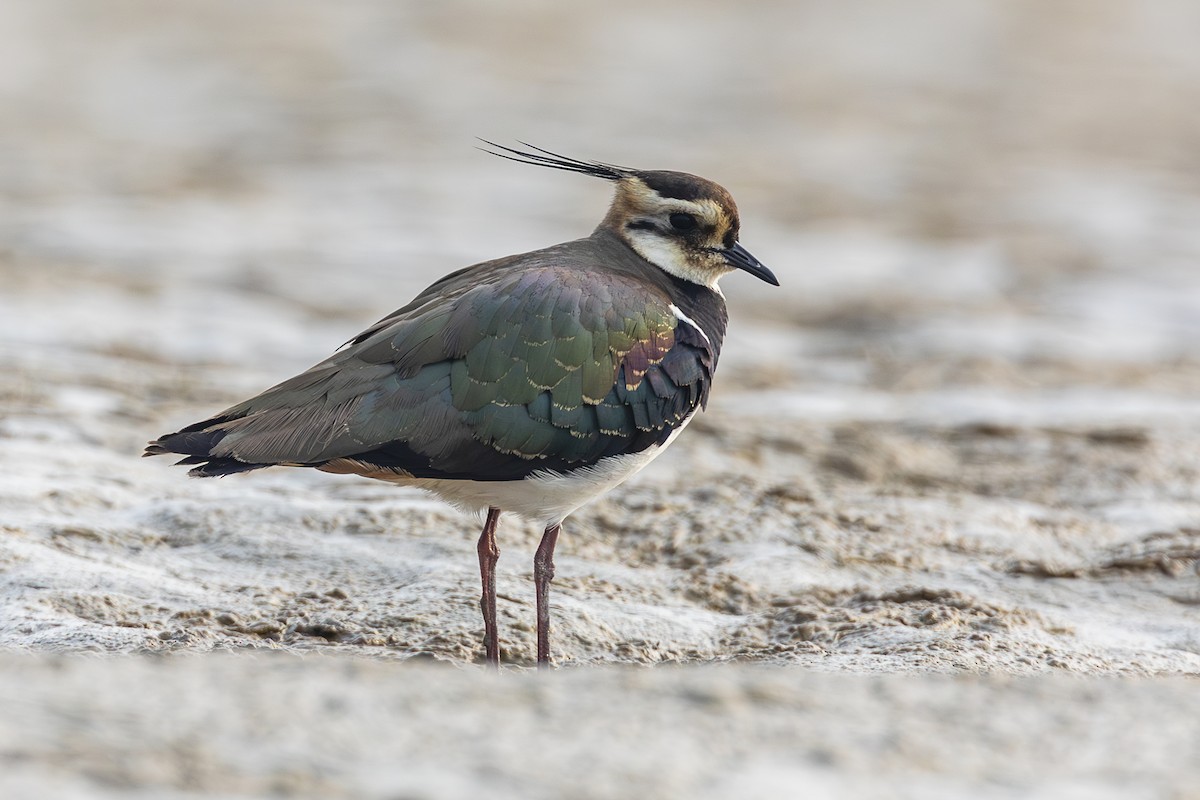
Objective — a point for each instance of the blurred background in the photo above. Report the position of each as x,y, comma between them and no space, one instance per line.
973,187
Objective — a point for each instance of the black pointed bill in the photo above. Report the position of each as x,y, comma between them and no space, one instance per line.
740,258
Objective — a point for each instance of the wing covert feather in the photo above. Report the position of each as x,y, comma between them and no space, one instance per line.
521,371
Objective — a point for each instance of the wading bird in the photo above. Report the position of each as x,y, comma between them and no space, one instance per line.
530,384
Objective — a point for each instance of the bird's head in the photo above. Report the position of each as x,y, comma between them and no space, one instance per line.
683,224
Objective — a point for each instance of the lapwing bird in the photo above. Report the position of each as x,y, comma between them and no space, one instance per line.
530,384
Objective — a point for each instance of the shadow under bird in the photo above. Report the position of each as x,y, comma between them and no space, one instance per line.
530,384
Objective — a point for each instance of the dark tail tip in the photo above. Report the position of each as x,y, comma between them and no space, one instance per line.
218,467
196,444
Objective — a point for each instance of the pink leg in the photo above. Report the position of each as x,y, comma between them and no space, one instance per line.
489,554
543,573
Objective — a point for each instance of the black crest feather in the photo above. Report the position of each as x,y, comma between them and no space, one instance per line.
540,157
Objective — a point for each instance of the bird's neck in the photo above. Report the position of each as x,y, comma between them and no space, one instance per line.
703,304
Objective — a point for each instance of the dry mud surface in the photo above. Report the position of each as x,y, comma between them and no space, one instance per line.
954,459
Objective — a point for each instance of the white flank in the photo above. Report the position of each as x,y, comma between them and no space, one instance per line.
546,497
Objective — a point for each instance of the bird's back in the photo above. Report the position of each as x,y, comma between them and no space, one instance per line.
552,360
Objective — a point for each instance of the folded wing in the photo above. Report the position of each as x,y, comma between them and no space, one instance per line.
494,377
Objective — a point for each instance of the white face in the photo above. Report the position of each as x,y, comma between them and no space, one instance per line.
682,237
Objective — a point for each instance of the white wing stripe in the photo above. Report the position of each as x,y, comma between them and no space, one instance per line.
682,317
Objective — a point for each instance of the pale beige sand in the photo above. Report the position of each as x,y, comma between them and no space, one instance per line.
960,445
332,727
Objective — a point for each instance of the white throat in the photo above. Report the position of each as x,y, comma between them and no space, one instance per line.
671,258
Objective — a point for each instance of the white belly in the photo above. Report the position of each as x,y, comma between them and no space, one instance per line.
545,497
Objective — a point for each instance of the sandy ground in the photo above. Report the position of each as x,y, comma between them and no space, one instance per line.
938,534
342,728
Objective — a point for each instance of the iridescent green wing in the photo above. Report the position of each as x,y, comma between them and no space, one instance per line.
517,371
549,369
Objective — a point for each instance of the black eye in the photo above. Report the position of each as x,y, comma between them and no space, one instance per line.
683,222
